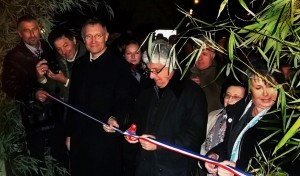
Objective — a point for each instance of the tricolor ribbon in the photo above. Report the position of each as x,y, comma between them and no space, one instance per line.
171,147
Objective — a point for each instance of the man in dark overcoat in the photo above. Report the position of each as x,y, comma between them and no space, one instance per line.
100,87
173,111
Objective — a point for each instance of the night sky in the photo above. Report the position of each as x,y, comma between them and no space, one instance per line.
139,14
145,16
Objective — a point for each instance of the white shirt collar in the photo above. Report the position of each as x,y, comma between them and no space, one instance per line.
97,55
33,49
72,60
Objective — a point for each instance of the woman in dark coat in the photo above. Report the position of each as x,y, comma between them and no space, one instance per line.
245,123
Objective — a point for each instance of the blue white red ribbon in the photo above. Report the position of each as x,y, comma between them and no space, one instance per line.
171,147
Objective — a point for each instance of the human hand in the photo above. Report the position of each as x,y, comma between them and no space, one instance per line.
67,142
41,95
41,69
133,140
224,172
112,122
211,168
60,77
147,145
196,79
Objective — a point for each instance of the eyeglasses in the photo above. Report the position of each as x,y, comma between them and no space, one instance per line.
96,36
156,72
233,97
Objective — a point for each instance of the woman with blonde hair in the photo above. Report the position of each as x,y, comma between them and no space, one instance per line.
245,121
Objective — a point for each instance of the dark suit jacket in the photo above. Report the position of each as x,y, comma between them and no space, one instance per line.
177,116
19,74
100,88
20,82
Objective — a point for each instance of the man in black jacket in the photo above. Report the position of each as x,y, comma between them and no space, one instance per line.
173,111
100,87
20,82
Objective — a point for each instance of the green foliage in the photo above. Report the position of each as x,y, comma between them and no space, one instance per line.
12,144
265,166
12,140
13,147
272,33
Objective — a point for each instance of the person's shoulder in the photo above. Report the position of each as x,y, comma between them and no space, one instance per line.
214,112
238,108
47,49
191,86
15,52
186,88
81,49
113,56
118,60
19,46
82,59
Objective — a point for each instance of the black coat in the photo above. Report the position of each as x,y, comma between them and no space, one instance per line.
19,74
178,117
250,139
100,88
19,81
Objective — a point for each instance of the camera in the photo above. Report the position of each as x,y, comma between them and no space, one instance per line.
53,66
51,62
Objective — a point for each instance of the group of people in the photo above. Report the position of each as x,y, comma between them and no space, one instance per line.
138,88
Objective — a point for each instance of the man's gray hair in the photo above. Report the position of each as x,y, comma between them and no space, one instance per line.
161,53
91,21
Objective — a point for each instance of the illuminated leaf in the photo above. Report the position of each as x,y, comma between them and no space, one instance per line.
222,6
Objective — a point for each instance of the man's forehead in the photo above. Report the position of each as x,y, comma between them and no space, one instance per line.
94,27
154,65
28,24
208,49
62,41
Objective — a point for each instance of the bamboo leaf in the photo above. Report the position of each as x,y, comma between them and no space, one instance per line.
270,44
180,23
222,6
246,8
291,132
295,78
150,45
231,46
285,30
295,101
269,137
263,54
188,64
227,69
252,27
278,20
283,107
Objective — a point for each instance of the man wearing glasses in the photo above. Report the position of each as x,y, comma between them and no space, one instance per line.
100,87
173,111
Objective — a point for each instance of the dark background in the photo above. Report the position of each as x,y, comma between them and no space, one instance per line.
144,16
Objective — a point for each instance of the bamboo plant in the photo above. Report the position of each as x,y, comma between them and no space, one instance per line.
273,33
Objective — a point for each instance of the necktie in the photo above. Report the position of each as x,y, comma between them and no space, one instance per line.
38,53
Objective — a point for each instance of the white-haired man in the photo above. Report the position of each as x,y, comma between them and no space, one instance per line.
174,111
